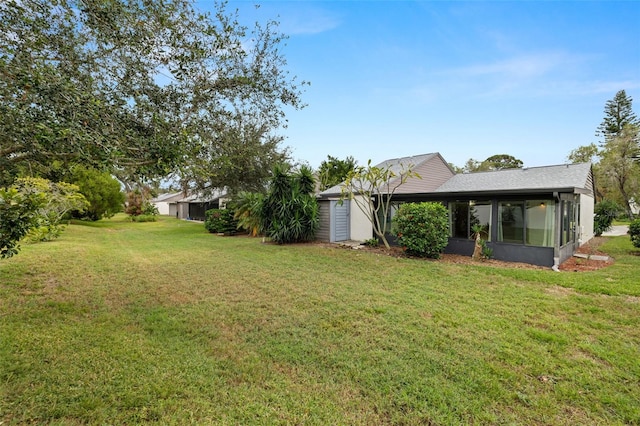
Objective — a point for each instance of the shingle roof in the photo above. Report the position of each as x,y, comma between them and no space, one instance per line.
528,179
396,165
166,196
204,198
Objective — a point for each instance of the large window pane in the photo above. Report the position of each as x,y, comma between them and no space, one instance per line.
511,222
480,214
568,225
540,223
459,219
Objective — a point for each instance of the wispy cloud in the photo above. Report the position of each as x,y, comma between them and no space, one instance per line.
303,18
519,67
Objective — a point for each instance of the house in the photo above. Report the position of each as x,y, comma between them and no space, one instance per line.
343,220
537,215
162,201
193,207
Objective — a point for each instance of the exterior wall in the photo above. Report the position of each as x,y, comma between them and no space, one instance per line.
361,228
173,210
587,206
183,210
324,229
433,173
163,207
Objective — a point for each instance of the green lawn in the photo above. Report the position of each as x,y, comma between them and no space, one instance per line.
125,323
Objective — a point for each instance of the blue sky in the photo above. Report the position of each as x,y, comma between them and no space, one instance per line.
466,79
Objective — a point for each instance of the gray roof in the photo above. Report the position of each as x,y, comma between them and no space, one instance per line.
204,198
531,179
396,165
165,197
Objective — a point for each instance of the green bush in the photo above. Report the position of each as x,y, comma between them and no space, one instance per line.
634,231
605,211
290,212
422,228
144,218
18,215
220,221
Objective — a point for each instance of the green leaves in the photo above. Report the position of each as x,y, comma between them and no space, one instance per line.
422,228
18,215
138,87
290,213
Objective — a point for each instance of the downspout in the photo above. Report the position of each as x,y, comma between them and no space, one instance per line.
556,239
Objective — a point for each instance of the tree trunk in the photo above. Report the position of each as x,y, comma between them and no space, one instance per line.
625,199
477,250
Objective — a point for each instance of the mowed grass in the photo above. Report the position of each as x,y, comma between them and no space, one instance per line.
125,323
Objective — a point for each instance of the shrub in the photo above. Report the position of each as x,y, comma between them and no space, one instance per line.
605,212
372,242
634,232
220,221
289,212
248,206
422,228
18,215
144,218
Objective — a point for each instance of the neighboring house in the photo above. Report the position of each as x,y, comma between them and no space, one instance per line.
162,201
537,215
193,207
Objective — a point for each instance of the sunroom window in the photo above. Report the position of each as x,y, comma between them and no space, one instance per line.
464,215
541,221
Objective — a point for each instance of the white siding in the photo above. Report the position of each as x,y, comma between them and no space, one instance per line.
586,219
361,228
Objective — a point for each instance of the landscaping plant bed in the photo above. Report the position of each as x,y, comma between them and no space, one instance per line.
574,264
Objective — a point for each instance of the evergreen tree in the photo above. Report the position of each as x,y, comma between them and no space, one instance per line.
618,112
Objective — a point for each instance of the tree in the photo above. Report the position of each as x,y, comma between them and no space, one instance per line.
101,190
495,162
133,86
333,171
290,210
584,154
371,189
58,199
239,156
618,112
620,166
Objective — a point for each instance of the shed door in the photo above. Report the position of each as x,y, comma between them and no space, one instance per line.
341,221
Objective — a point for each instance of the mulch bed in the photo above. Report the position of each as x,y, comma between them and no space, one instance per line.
578,264
573,264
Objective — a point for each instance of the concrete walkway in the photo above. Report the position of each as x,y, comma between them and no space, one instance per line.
616,230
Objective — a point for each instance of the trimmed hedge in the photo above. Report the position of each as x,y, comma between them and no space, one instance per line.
422,228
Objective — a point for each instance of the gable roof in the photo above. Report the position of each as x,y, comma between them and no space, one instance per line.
432,168
167,197
564,177
200,197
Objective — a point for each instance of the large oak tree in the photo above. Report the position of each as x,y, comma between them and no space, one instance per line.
135,86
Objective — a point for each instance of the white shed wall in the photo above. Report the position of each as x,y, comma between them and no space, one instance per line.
361,228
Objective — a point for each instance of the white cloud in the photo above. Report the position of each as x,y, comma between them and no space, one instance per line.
306,19
519,67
